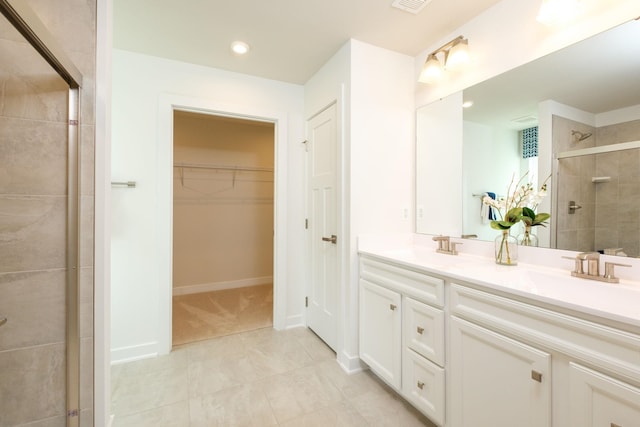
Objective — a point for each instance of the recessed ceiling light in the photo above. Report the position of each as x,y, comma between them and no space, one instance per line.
239,47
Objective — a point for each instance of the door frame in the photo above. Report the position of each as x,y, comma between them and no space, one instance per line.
168,103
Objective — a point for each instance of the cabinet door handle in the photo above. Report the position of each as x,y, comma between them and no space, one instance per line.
392,306
615,425
420,385
3,320
537,376
420,330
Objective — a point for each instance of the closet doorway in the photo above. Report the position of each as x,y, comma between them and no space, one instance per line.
223,223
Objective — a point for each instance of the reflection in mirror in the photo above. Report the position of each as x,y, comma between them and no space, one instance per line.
586,95
438,167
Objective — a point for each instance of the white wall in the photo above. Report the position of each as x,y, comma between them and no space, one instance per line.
492,156
331,84
374,91
382,153
140,235
439,161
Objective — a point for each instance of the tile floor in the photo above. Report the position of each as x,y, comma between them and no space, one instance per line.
258,378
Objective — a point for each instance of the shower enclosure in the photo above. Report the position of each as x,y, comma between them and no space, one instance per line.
45,367
598,188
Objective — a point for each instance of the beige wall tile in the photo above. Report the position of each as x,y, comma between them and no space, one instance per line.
33,157
34,233
32,384
33,303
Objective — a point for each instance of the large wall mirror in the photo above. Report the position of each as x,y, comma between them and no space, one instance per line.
578,109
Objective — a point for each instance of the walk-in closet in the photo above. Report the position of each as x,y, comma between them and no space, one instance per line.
223,191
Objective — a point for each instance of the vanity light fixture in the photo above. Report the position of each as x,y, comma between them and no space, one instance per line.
558,12
239,47
454,54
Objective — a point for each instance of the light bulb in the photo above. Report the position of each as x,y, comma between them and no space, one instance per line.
431,71
458,55
239,47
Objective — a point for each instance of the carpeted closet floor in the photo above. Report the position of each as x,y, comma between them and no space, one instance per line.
198,317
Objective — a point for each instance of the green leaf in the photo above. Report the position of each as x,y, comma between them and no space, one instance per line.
501,225
529,213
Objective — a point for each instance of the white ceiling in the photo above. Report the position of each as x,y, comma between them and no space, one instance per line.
290,39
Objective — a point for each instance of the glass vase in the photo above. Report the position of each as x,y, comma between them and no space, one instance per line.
527,238
506,247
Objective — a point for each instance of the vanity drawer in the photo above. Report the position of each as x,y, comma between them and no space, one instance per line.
423,328
612,349
409,282
423,385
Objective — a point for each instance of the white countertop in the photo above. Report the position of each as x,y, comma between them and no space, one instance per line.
619,302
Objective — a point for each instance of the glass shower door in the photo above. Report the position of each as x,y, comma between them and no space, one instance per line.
39,343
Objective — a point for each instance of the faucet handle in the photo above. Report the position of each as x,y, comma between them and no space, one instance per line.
452,246
443,242
578,266
608,271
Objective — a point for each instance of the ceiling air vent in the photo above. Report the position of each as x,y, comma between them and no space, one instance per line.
525,119
413,6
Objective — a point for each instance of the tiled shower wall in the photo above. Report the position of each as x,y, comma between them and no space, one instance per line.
576,231
33,197
618,201
610,213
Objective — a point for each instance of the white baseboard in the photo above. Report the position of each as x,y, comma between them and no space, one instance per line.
133,353
218,286
296,321
351,364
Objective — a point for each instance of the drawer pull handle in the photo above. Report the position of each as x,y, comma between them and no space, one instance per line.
421,386
392,306
420,330
537,376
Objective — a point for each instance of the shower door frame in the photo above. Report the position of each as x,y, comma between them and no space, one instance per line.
24,19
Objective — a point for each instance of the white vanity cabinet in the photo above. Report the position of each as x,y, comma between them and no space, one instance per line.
515,363
402,332
380,334
467,352
599,400
495,380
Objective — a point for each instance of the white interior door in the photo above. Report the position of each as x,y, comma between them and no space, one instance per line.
322,178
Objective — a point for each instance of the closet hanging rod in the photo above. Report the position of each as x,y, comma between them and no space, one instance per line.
226,168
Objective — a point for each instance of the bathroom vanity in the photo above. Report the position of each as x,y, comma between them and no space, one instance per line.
472,343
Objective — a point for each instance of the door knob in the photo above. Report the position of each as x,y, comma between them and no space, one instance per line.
333,239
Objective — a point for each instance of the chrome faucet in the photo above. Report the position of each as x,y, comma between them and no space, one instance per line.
593,267
445,245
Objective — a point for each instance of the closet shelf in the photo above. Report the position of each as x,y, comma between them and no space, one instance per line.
222,167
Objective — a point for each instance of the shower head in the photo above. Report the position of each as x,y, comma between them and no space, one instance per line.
580,136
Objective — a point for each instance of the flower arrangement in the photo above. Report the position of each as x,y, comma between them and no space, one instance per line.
520,204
